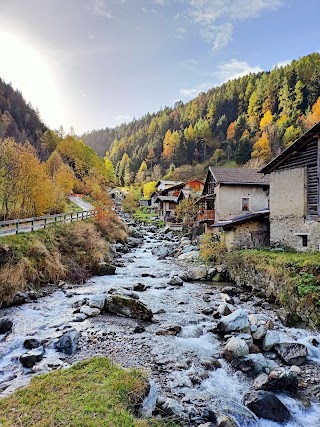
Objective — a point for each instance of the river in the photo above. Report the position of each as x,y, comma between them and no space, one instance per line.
179,365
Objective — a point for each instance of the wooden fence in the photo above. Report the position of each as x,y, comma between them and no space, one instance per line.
16,226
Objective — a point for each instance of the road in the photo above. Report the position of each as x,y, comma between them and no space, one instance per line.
85,206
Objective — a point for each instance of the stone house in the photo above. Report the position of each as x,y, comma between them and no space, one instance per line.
295,194
231,192
248,231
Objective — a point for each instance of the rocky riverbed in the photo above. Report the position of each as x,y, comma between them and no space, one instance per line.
216,355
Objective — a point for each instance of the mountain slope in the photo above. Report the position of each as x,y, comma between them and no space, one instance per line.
254,116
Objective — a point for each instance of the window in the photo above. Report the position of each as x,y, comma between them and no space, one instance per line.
304,241
245,204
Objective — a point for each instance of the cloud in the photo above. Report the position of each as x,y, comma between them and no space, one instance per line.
98,8
216,17
219,36
282,63
180,31
123,118
189,93
233,70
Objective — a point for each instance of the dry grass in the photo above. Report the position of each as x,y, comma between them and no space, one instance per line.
12,280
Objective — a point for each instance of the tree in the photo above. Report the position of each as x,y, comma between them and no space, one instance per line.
142,172
231,131
187,211
148,189
54,163
156,173
266,120
261,149
290,135
110,173
49,141
151,157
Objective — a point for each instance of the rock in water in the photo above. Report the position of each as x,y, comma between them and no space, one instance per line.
29,359
104,269
292,353
68,343
266,405
226,421
196,273
31,343
5,325
175,281
236,321
286,381
271,339
88,311
128,307
97,301
235,347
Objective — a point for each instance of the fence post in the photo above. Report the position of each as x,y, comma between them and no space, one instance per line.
17,227
32,224
45,223
77,216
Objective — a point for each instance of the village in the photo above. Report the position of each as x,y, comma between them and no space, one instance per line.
276,206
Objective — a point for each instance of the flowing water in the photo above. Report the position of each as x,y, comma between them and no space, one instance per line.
178,365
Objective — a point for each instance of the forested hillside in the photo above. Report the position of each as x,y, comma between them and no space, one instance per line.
17,118
252,117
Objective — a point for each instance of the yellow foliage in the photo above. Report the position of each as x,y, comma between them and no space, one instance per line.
231,131
261,148
266,120
148,189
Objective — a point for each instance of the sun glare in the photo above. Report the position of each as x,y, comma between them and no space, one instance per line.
28,71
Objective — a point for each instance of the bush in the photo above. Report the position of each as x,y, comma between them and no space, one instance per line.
212,247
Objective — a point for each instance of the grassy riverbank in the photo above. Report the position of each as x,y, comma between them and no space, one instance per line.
93,393
71,252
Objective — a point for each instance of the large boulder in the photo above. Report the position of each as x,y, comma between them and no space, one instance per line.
175,281
68,343
254,364
97,301
128,307
292,353
235,347
266,405
226,421
5,325
190,256
28,360
197,273
271,339
104,269
275,381
236,321
31,343
162,252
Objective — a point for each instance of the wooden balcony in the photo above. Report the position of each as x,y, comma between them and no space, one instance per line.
206,215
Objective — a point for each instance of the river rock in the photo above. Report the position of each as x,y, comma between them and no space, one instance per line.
139,287
253,364
271,339
90,312
5,325
162,252
236,321
68,343
197,273
175,281
79,317
235,348
225,309
128,307
133,242
97,301
104,269
28,360
259,333
31,343
188,249
226,421
266,405
191,256
285,381
292,353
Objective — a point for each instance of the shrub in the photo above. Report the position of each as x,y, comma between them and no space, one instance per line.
212,247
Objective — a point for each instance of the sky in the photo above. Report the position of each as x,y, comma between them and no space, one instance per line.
90,64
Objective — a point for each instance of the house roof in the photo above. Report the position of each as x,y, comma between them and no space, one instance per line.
292,149
167,199
172,187
171,183
242,218
239,176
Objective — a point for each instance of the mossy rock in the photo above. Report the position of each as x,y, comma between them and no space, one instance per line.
128,307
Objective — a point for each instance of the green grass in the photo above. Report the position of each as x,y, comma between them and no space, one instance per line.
93,393
71,207
143,215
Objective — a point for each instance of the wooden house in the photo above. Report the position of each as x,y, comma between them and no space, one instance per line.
295,193
230,192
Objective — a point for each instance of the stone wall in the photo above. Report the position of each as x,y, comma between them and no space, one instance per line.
274,287
250,235
288,207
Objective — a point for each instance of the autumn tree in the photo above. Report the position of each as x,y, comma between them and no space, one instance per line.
110,172
187,211
142,172
261,149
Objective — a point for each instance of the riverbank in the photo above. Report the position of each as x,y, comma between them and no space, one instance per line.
30,262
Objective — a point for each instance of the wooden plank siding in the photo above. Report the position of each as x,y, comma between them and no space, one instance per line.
308,156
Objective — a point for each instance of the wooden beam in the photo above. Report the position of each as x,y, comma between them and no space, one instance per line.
319,176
